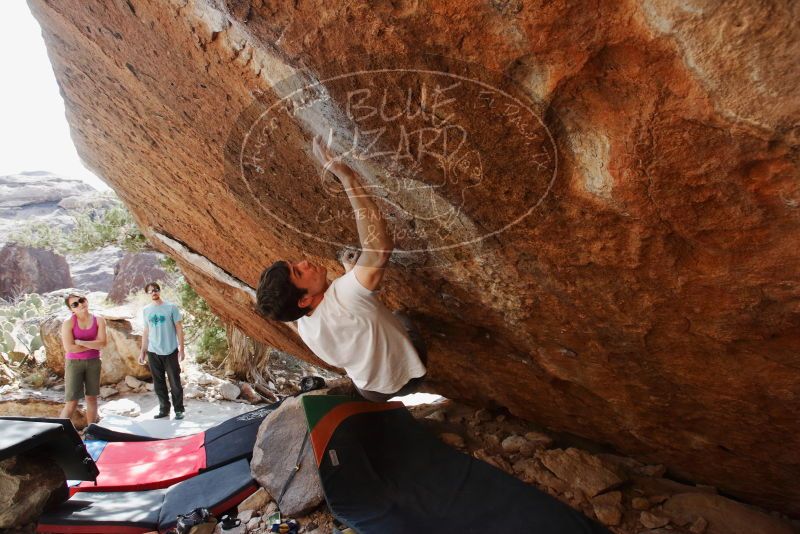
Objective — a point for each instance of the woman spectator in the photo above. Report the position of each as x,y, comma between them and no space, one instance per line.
83,335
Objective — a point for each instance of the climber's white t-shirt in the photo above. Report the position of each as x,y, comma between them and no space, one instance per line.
353,330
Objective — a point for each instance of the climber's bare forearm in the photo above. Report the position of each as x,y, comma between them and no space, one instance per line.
376,243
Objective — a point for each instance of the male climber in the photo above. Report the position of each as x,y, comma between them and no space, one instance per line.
342,321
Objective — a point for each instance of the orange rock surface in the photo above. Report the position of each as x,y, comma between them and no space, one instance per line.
600,230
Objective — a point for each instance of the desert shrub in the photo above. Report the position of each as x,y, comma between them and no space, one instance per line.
203,325
93,229
114,226
212,346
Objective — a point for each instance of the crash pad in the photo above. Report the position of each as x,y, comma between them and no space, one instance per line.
51,438
383,473
129,512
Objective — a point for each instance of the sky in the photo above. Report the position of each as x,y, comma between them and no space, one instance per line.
34,135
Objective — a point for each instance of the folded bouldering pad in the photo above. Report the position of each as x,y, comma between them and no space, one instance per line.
55,439
143,465
131,512
383,473
131,465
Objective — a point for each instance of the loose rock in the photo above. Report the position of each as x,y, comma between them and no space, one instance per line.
723,515
107,391
699,526
581,470
229,391
256,501
454,440
607,508
133,382
651,520
513,444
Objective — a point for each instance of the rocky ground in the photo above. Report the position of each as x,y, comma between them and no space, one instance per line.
627,496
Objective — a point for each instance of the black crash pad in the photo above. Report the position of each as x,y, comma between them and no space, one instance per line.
383,473
50,438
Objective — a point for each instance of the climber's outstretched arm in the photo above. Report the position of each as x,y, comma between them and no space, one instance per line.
376,243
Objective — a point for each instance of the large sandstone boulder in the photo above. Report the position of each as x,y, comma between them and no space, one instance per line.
26,485
119,358
278,445
596,210
133,272
31,270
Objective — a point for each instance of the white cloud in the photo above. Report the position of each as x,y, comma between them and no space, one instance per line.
34,134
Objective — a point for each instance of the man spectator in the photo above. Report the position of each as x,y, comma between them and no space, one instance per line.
162,345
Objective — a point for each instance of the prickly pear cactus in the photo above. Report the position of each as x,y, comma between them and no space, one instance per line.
19,323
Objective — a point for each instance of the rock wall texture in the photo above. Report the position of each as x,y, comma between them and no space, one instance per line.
598,207
31,270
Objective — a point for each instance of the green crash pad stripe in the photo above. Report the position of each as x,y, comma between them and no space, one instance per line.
327,417
316,406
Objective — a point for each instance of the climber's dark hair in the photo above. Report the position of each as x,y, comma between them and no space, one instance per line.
277,296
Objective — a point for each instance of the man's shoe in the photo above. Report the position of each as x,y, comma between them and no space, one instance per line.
161,415
178,415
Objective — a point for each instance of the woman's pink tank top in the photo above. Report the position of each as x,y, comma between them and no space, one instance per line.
90,334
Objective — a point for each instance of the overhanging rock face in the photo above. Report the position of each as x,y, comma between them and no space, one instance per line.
597,208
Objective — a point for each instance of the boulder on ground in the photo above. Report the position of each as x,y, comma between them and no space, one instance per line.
229,391
31,270
38,404
94,270
119,357
278,444
134,270
26,485
581,470
724,516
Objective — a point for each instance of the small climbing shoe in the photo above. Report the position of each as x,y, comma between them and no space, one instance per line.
161,415
178,415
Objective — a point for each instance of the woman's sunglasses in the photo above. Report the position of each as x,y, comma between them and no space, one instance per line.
78,302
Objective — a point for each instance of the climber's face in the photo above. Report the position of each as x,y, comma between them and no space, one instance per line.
311,277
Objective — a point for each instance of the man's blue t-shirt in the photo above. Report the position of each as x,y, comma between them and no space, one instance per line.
160,320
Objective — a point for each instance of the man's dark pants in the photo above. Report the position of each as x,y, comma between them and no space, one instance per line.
166,364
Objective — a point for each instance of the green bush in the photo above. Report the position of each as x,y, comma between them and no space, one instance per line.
93,229
212,346
201,324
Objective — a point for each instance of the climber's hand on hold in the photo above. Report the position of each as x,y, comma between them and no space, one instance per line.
331,162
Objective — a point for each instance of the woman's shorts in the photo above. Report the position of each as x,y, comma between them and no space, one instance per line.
78,373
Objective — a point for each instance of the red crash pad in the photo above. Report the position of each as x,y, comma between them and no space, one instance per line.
144,465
